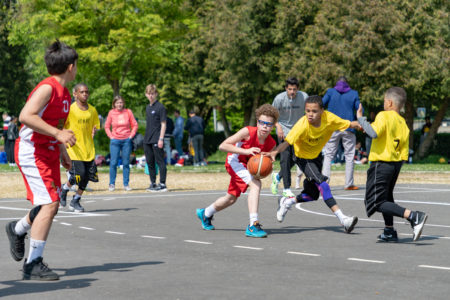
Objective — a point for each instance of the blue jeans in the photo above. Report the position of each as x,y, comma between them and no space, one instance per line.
178,144
115,147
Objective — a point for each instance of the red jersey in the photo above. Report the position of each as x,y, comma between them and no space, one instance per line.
253,141
54,113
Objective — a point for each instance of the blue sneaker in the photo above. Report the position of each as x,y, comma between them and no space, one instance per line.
206,222
255,231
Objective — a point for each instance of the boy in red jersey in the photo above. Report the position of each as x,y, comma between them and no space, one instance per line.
42,141
241,146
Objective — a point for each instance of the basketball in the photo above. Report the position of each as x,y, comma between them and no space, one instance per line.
259,165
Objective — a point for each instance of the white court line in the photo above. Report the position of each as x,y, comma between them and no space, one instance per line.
303,253
366,260
431,236
396,200
153,237
66,224
299,207
250,248
198,242
114,232
86,228
424,189
434,267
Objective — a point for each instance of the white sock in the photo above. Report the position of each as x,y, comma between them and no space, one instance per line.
210,211
66,187
340,216
22,226
253,218
36,249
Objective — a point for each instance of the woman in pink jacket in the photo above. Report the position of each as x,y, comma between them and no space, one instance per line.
124,127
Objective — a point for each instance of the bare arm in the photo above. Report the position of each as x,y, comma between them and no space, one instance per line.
280,148
30,117
280,133
229,145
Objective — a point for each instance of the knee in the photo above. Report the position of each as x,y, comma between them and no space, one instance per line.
49,210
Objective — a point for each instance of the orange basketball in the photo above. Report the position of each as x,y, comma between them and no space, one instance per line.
259,165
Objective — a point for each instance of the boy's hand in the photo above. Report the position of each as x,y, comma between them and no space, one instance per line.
272,155
359,112
355,125
253,151
66,137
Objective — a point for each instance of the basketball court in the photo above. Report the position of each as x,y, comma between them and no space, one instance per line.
152,246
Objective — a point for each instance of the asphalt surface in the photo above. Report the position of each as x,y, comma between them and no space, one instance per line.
152,246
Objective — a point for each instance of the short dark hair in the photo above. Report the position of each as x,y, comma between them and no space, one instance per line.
192,112
315,99
292,81
176,111
58,57
77,87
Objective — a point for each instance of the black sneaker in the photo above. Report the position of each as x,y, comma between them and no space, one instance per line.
162,187
63,197
38,270
16,242
75,206
388,235
417,222
154,188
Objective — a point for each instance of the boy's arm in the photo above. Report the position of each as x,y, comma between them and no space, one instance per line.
30,117
365,124
65,158
280,148
229,144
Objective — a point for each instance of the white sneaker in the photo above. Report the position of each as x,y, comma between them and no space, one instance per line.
127,188
349,223
288,193
111,187
283,208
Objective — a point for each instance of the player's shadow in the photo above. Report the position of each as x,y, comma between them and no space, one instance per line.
297,229
111,209
19,287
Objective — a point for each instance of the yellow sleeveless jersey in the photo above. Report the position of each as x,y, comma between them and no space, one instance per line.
308,140
392,142
81,122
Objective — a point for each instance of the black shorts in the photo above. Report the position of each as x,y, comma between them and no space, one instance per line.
312,168
381,179
82,172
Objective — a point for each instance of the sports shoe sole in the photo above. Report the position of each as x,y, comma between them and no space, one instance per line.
352,226
200,217
417,235
72,209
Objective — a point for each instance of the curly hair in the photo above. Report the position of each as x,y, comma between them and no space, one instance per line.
267,110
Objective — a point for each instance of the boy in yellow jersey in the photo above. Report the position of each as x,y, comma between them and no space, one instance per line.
84,122
308,136
390,144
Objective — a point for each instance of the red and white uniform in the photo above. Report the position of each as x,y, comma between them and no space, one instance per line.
236,164
37,155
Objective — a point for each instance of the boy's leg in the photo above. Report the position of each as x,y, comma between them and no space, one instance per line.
150,159
82,168
349,142
159,156
286,163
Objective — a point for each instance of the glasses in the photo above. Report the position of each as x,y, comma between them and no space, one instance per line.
268,124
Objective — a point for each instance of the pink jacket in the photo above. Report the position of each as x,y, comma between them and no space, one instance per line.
123,124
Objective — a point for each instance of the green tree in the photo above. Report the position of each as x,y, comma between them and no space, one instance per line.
14,84
116,40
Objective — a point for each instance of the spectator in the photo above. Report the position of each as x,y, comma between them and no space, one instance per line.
167,137
11,136
156,117
291,105
124,127
178,132
195,125
343,102
360,154
425,128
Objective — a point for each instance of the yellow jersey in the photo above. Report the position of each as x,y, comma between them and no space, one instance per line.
308,140
81,122
392,141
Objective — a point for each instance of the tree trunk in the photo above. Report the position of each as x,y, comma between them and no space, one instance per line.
115,86
223,117
426,144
